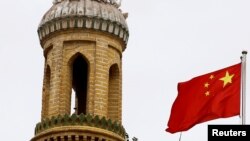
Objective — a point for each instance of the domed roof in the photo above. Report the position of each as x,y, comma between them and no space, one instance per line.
101,15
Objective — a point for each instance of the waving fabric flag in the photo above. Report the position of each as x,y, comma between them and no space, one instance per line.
206,97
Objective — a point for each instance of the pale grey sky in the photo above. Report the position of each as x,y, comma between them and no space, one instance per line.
170,41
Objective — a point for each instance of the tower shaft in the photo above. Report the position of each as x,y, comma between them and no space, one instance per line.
83,41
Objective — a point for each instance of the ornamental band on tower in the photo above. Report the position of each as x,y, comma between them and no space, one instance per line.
82,43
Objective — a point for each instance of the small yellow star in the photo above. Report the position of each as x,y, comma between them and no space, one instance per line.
211,77
207,93
206,85
227,79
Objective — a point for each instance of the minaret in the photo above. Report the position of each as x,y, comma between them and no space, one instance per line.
82,43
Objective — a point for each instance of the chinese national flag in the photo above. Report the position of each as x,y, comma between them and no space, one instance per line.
206,97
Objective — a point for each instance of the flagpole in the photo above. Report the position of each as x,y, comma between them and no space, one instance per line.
180,136
243,88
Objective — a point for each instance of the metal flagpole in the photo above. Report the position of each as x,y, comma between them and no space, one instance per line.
180,136
243,88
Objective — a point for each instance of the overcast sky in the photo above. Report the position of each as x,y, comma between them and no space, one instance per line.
170,41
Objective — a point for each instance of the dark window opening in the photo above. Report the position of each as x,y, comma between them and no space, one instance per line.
88,138
80,80
80,138
65,138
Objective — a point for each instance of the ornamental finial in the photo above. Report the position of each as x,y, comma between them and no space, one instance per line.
116,3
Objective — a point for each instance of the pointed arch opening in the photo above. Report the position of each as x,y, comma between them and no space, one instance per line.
80,83
114,93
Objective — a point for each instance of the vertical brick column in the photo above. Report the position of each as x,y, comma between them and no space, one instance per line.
91,84
62,138
120,94
44,95
69,138
55,84
101,77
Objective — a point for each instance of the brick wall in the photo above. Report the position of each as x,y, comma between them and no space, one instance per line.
101,51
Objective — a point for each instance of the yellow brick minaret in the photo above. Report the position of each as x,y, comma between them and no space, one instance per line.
82,43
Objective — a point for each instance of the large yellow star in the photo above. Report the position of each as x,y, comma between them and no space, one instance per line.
227,79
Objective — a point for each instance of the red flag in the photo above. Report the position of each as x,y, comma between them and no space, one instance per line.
206,97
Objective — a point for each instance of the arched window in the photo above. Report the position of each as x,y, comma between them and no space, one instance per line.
114,93
80,83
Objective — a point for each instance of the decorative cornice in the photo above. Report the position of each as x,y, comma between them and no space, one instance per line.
83,23
80,120
84,14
